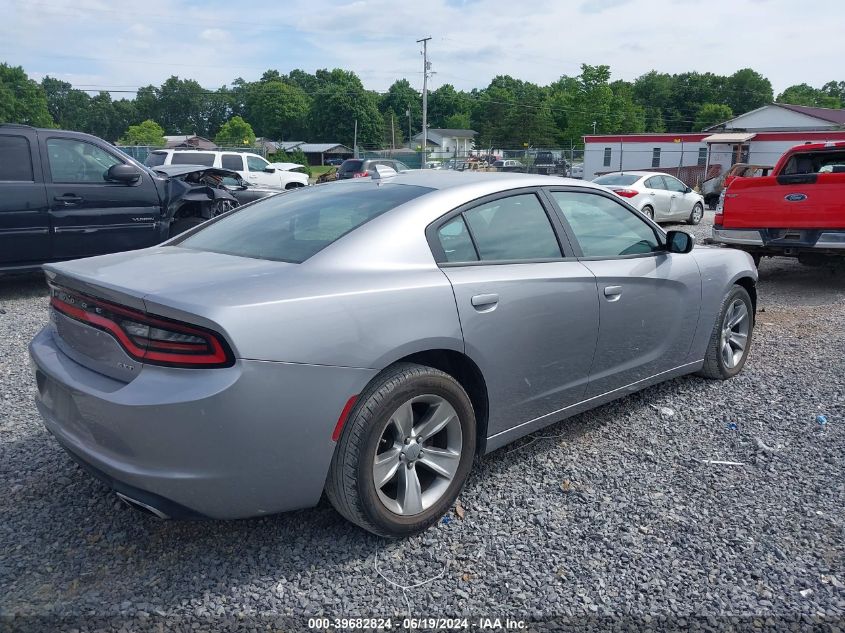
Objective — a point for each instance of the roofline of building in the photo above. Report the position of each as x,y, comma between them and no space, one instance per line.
821,135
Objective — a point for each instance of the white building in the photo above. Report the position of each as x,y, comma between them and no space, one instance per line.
759,137
448,143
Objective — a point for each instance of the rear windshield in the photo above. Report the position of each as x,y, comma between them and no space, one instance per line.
155,159
617,179
351,165
294,226
192,158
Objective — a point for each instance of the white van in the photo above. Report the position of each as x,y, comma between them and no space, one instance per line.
251,167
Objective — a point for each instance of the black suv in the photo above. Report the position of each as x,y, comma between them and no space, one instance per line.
65,195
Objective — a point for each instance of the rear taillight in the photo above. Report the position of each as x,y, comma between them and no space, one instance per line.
626,193
360,174
719,218
150,339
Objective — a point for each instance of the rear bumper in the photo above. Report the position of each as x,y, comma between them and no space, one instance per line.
247,440
783,241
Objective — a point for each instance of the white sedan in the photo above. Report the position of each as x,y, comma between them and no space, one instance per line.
661,197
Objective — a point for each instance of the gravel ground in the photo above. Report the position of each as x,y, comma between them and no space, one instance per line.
614,515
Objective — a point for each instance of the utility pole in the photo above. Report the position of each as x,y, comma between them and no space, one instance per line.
392,134
355,141
426,67
410,140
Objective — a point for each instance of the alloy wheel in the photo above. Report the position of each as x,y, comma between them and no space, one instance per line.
418,455
697,213
735,328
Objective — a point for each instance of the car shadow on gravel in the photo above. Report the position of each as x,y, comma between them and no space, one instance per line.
22,286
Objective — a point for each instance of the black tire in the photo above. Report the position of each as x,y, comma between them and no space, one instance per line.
696,214
648,212
350,486
757,259
183,224
715,367
293,185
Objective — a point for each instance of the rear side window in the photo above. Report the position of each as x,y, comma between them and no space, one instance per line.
456,242
351,165
295,226
192,158
235,162
15,159
155,159
512,228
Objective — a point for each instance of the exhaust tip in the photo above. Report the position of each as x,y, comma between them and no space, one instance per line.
140,505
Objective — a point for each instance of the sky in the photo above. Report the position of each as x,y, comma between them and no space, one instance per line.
119,45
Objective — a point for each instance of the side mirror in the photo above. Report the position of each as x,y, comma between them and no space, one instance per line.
123,173
270,170
679,242
688,190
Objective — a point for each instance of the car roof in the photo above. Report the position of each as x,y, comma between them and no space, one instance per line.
486,182
635,172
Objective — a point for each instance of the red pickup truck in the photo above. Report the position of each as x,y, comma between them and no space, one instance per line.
797,211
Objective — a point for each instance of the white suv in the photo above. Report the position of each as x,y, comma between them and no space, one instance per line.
251,167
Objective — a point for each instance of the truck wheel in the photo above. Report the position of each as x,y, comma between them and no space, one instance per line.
730,341
696,215
183,224
405,451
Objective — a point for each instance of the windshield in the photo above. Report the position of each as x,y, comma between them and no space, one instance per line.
295,226
617,179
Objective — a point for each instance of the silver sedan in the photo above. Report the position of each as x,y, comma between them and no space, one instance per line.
661,197
370,338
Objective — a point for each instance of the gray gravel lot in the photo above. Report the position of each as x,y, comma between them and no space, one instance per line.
612,513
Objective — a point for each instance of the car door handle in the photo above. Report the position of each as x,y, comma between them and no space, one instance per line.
484,303
613,292
68,199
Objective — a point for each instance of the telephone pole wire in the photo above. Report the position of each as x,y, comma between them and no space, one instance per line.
426,67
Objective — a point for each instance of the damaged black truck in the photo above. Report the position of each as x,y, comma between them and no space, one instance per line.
65,195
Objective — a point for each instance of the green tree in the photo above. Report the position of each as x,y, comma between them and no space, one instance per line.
340,102
235,133
446,102
145,133
747,90
806,95
22,100
398,98
277,110
711,114
68,107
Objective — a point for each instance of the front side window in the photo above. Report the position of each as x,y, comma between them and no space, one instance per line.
295,226
235,162
192,158
673,184
77,161
512,228
604,227
15,160
256,163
